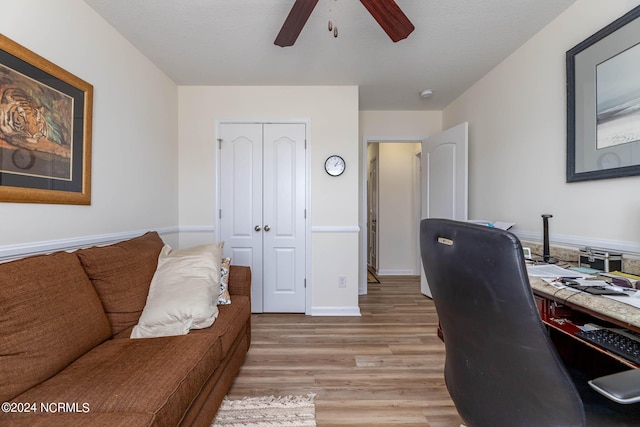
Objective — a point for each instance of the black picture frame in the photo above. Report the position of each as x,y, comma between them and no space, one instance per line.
602,102
45,130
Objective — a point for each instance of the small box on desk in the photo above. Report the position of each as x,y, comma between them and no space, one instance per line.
600,260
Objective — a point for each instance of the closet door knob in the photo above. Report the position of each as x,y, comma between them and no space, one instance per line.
257,228
267,228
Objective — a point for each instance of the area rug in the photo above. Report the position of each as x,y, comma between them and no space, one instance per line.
271,411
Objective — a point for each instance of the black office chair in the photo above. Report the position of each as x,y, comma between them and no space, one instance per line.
501,367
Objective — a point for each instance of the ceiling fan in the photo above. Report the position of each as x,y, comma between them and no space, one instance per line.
387,12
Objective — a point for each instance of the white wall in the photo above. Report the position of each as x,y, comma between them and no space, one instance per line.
397,226
517,142
333,116
398,125
134,171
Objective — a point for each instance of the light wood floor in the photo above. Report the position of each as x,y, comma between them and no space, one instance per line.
383,368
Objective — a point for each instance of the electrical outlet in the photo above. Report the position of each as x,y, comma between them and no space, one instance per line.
342,281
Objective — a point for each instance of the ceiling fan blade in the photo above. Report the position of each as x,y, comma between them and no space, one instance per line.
300,12
390,17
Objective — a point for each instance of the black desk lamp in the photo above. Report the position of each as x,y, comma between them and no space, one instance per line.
546,256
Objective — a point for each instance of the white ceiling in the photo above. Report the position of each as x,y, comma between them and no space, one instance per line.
230,42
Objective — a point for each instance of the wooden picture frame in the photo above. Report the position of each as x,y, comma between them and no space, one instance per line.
45,130
603,102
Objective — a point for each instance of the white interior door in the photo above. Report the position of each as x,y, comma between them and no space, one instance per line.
262,210
241,200
284,218
445,178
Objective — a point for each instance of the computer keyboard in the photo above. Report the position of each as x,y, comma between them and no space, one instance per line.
620,342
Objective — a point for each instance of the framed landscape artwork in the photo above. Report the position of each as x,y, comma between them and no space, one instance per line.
603,102
45,130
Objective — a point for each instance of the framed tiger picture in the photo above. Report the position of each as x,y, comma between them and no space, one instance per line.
45,130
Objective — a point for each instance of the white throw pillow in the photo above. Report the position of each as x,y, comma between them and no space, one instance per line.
183,294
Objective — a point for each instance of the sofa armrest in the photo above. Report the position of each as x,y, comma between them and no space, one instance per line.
240,280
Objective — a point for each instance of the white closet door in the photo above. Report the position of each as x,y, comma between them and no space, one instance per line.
263,197
284,218
241,200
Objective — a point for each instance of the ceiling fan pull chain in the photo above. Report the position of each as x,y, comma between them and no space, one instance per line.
330,26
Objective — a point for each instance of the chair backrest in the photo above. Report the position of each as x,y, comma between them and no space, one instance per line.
501,367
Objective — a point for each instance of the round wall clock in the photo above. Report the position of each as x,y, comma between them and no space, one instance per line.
334,165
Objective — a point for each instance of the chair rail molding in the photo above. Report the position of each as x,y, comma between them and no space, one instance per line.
11,252
335,229
197,229
629,248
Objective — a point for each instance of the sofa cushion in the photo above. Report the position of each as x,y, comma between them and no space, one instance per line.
50,315
231,320
121,273
184,292
161,376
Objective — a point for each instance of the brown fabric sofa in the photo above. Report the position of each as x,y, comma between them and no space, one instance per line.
66,358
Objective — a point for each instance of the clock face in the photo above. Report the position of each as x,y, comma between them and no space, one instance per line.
334,165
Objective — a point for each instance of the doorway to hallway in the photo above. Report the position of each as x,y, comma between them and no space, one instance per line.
443,188
393,200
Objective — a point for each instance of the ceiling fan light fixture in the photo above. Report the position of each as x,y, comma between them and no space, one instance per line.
426,93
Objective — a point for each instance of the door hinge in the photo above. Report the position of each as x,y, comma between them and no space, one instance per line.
219,143
220,213
305,144
305,214
305,283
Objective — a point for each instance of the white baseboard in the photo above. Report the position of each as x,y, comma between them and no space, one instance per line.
334,311
395,272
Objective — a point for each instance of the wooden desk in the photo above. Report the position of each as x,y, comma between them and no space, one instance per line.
563,309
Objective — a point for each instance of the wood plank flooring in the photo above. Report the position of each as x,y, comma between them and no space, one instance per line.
383,368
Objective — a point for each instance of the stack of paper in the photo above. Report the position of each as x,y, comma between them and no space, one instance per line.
553,271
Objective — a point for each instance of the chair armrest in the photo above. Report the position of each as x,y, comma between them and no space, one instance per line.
623,387
240,280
